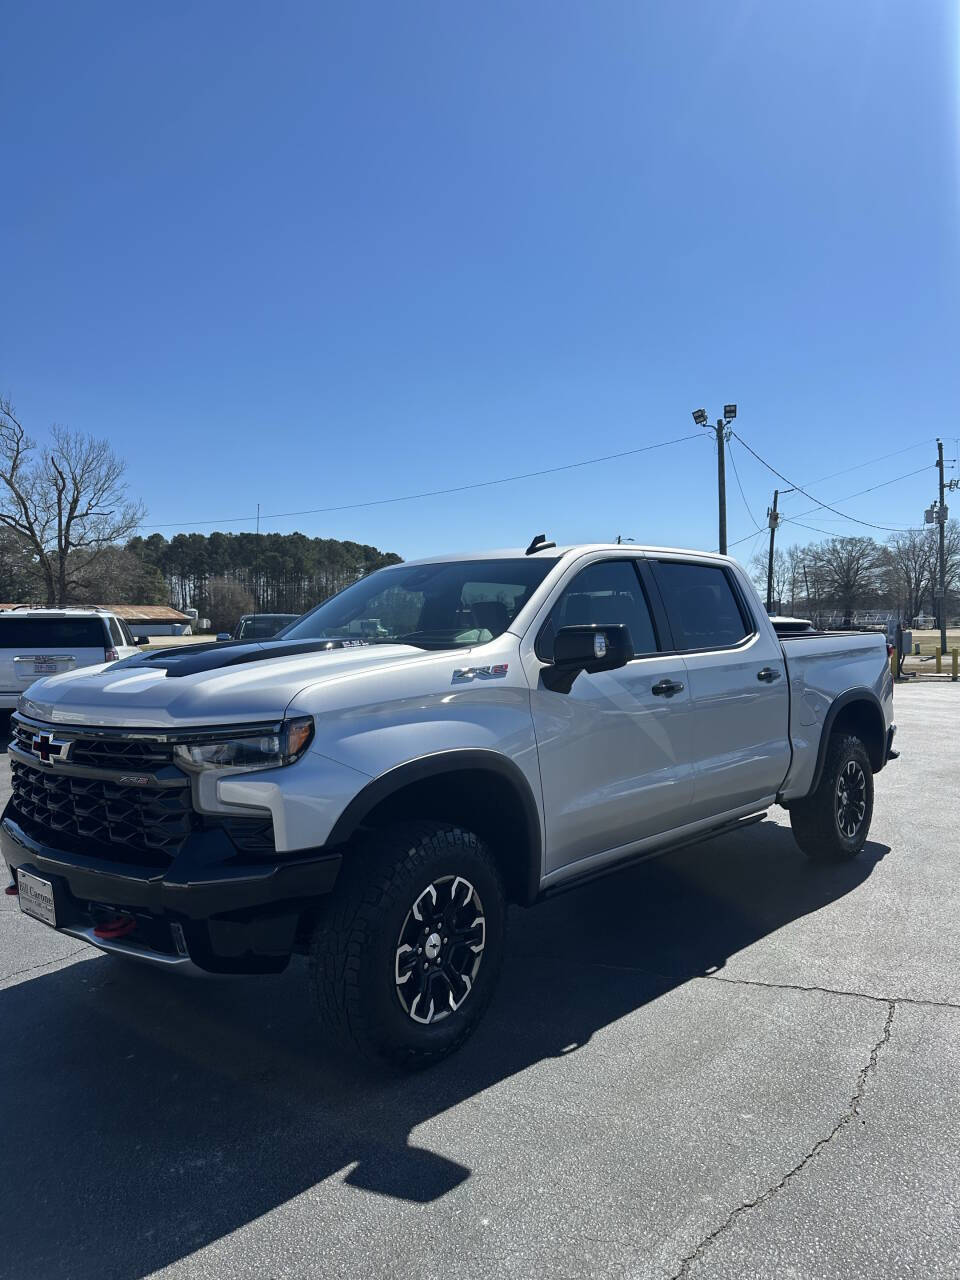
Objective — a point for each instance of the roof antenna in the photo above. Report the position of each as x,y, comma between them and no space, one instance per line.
539,543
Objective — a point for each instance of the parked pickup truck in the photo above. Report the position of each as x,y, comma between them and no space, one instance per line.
496,727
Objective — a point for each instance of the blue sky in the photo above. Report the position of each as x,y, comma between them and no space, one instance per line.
312,254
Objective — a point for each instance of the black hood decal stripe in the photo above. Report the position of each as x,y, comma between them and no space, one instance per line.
191,659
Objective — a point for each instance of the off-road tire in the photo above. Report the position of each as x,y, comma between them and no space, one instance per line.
353,949
816,820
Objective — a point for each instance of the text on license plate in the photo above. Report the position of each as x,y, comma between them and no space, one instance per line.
44,668
36,897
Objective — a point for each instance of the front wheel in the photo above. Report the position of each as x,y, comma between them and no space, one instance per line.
405,961
832,823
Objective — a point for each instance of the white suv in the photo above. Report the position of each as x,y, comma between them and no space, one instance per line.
46,642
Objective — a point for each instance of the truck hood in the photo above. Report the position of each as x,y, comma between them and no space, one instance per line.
215,684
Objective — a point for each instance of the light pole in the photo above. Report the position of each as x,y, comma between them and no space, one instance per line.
701,419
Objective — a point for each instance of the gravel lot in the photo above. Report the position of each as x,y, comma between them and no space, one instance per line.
724,1063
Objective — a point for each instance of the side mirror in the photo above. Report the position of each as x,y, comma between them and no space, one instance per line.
598,647
224,635
141,639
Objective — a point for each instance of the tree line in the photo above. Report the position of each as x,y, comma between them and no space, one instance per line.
226,574
843,575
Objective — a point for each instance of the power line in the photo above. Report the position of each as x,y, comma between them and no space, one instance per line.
921,444
428,493
826,533
733,463
846,498
825,505
745,538
883,483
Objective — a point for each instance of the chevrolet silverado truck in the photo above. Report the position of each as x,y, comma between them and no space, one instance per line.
373,787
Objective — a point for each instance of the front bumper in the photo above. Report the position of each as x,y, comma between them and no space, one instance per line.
206,910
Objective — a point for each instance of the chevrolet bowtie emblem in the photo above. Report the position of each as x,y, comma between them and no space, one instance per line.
47,748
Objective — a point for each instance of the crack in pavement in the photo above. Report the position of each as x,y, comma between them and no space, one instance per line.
921,1001
831,991
46,964
853,1110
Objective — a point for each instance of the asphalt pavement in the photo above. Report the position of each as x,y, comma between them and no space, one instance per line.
726,1063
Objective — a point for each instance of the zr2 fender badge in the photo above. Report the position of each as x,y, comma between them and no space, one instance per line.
481,673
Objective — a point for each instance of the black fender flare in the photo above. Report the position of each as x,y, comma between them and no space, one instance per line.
434,765
862,694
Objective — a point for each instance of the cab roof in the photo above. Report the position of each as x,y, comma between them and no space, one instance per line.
556,553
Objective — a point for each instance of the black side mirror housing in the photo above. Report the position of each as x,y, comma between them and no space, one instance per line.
596,647
141,639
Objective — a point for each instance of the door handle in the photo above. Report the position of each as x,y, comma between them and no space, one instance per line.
769,674
664,688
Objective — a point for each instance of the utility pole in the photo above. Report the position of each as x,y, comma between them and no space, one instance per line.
773,520
942,519
722,486
700,418
256,568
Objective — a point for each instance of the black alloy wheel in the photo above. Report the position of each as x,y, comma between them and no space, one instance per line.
851,798
440,949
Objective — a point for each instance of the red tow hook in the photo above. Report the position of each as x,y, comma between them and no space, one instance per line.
11,891
118,927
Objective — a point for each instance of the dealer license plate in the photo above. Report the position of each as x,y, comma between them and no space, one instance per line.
36,897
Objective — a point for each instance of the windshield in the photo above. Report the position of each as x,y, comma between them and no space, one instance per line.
264,625
432,606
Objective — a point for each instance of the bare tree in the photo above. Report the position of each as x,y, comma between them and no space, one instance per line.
781,574
795,584
849,569
67,498
951,546
911,564
226,601
116,576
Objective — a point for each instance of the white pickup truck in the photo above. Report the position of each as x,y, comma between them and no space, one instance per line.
373,786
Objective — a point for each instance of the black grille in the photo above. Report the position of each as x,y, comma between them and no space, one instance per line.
128,754
105,753
94,811
111,816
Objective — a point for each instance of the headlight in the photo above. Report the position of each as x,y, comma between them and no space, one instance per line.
251,750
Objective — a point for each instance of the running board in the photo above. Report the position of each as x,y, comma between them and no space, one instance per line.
634,859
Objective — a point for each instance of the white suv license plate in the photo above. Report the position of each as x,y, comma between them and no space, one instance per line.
45,668
36,898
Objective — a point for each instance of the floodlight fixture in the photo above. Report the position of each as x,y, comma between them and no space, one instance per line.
729,412
700,417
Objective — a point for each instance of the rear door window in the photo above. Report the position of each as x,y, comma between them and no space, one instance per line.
51,633
704,609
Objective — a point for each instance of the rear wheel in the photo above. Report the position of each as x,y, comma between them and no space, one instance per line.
832,823
405,961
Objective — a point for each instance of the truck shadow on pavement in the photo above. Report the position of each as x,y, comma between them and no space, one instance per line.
148,1116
